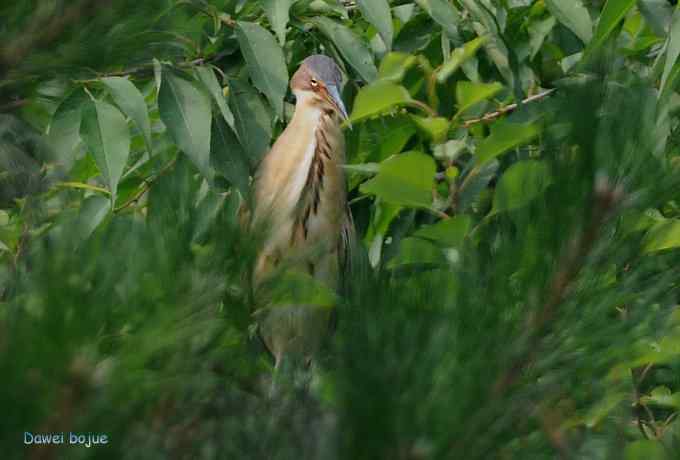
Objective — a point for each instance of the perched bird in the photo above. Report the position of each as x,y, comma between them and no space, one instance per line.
300,199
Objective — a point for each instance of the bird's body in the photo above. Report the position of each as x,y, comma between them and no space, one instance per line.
300,201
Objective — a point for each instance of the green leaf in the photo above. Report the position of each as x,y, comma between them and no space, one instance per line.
207,76
377,12
458,57
378,98
405,179
662,236
106,134
574,16
673,50
92,212
266,62
662,397
645,450
227,156
186,113
278,13
468,94
131,102
445,14
520,184
447,232
415,251
435,128
657,14
253,120
352,48
505,136
64,132
394,66
613,12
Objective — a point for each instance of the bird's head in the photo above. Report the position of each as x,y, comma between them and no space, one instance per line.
319,79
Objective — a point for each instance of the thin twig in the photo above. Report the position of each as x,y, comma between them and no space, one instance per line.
491,116
146,187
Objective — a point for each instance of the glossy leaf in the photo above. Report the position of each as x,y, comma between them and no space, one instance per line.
266,62
435,128
662,236
447,232
377,12
505,136
186,113
278,13
574,16
352,48
405,179
394,66
520,184
378,98
107,136
131,102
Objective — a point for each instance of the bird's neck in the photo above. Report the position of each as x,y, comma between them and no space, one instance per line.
310,108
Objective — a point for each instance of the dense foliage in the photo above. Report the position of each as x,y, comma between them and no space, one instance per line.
514,175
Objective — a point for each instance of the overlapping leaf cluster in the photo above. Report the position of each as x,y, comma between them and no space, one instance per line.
513,174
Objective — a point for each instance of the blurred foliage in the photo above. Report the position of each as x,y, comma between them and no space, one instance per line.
514,174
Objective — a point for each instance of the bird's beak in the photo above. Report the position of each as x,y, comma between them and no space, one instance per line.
336,101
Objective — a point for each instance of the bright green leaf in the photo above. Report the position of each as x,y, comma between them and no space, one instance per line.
394,66
574,16
106,134
505,136
131,102
416,251
468,94
673,49
378,98
352,48
405,179
186,113
435,128
266,62
377,12
447,232
662,236
645,450
458,57
520,184
278,13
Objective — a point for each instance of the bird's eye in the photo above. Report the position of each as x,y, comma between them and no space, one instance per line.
314,83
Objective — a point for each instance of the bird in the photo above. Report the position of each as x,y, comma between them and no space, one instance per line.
300,200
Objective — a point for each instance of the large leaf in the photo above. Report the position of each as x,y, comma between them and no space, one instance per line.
415,251
227,156
352,48
444,14
253,120
394,66
673,50
505,136
64,132
378,98
278,13
106,134
377,12
207,76
614,11
186,113
574,16
131,102
266,62
657,14
405,179
521,183
468,93
662,236
92,212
